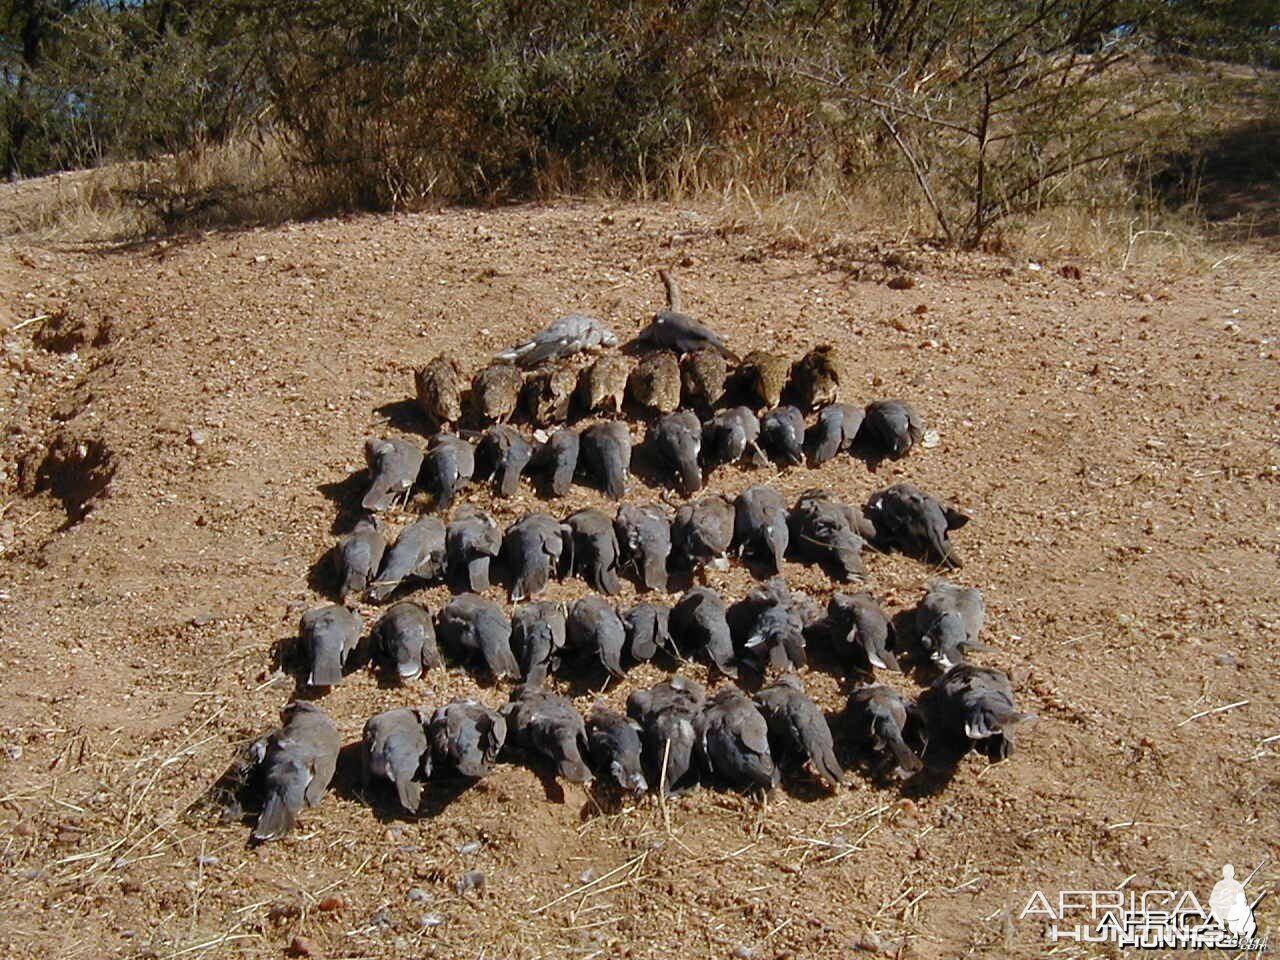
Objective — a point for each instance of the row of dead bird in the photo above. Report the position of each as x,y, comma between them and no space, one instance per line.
673,737
768,631
601,454
644,540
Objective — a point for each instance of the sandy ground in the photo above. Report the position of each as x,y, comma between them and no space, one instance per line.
193,424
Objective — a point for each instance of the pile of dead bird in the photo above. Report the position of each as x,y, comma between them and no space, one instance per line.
702,407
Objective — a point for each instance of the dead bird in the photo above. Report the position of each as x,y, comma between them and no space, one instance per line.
826,531
547,393
763,374
732,435
884,720
671,329
357,557
603,386
449,465
760,525
678,440
538,635
557,459
613,743
466,737
606,457
834,433
495,392
439,385
297,762
479,628
595,549
644,536
548,725
777,620
702,531
948,621
648,627
394,748
595,627
699,622
798,731
782,434
889,429
735,741
404,640
418,553
472,540
327,636
655,382
905,518
503,454
534,549
861,632
394,465
815,378
670,715
977,702
704,374
572,334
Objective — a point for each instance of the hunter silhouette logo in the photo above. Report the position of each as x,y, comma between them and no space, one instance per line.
1154,919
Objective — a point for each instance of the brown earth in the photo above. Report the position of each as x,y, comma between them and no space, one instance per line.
192,411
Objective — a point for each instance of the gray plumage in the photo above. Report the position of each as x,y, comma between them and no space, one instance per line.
889,429
394,465
797,729
669,715
906,518
533,549
297,764
833,433
466,736
547,724
823,530
448,465
782,434
478,627
731,435
703,530
594,625
538,634
595,549
735,741
558,459
977,702
327,637
395,748
606,455
948,622
879,716
778,618
760,525
644,537
563,338
502,455
678,440
860,630
357,556
614,745
698,621
419,553
404,640
472,540
648,627
674,331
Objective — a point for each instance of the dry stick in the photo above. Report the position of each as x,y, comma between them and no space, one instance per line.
673,290
662,786
920,177
1205,713
30,320
592,883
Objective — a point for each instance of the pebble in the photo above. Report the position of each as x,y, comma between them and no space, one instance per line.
418,895
430,920
302,947
469,848
471,880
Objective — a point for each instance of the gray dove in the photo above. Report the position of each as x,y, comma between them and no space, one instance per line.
466,736
825,531
394,465
472,540
448,465
760,525
328,635
357,557
648,627
778,618
672,330
557,457
978,702
404,640
730,435
834,432
418,553
703,531
595,549
678,440
479,627
882,717
563,338
857,622
782,434
698,621
670,715
538,634
735,741
906,518
606,455
297,763
889,429
503,455
548,725
613,743
948,621
395,748
644,536
595,626
797,729
533,548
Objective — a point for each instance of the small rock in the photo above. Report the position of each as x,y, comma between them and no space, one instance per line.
302,947
13,751
930,439
202,619
207,861
418,895
901,282
197,437
1225,660
430,920
330,904
743,951
471,880
23,829
587,875
469,848
869,943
